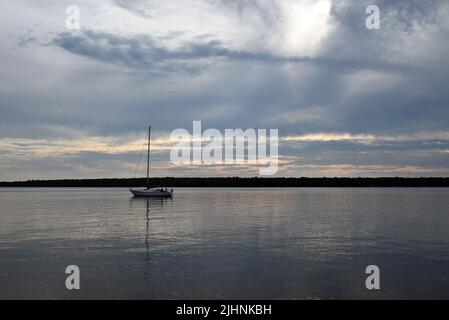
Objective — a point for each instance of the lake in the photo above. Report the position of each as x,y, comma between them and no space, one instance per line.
297,243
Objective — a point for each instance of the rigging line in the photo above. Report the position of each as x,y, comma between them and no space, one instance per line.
140,156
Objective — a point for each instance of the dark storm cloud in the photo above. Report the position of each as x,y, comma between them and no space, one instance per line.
143,52
133,52
409,13
146,53
412,33
400,20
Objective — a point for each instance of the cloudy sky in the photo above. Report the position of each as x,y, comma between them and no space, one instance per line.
347,101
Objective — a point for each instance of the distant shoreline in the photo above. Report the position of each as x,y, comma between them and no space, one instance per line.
236,182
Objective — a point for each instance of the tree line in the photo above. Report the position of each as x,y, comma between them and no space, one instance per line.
236,182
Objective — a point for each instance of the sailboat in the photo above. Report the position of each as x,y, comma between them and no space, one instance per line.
149,191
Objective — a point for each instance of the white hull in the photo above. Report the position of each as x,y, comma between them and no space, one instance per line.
155,192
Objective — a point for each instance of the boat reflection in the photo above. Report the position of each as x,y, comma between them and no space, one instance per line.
150,205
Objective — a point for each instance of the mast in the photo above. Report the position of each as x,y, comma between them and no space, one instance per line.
148,157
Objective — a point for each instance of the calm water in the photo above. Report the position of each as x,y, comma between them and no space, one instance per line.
220,243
